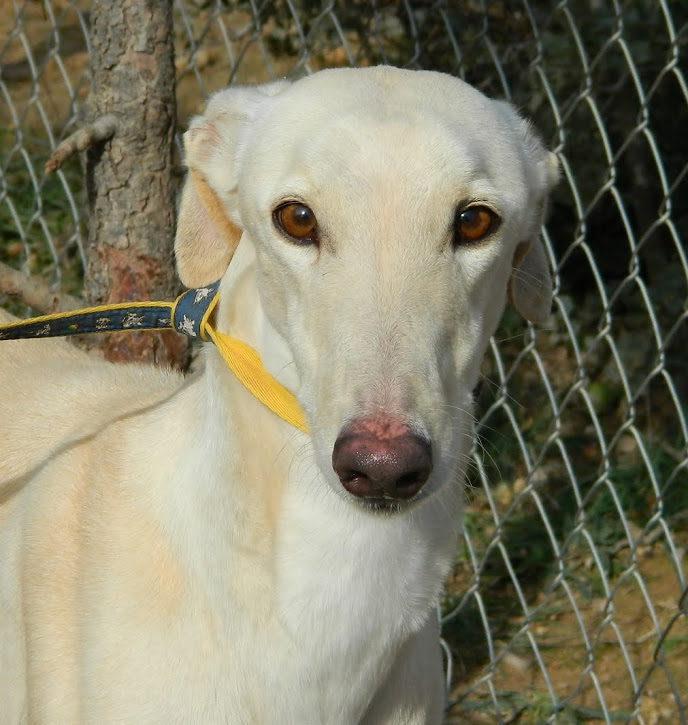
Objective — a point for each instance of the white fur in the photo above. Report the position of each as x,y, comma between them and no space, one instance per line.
171,551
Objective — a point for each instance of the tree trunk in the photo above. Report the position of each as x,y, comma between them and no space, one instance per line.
129,178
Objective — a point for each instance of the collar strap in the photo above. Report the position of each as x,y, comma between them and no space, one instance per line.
190,315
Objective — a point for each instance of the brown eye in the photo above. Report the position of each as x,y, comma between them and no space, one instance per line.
298,222
474,223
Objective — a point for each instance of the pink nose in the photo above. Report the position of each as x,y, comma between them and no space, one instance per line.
381,458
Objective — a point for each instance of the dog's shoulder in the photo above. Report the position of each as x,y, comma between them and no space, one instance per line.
53,395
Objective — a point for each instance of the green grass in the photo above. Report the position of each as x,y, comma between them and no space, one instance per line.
35,213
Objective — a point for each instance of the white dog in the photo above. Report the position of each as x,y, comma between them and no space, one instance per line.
173,552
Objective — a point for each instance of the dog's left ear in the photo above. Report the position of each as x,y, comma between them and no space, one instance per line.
530,285
208,226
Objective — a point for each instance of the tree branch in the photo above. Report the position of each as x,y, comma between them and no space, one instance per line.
100,130
34,292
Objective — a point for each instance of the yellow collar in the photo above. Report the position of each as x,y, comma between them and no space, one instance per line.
189,314
246,364
248,368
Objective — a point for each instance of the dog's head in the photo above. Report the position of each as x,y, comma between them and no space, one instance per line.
391,213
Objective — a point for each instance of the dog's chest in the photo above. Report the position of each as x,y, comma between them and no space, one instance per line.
201,669
350,589
312,645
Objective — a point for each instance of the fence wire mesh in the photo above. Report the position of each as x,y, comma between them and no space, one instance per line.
568,602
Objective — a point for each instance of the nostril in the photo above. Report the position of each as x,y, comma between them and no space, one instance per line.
372,464
409,483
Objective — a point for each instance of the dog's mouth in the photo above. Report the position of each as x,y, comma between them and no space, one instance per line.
387,506
384,503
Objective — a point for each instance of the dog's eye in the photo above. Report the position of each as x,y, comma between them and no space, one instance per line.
298,222
474,223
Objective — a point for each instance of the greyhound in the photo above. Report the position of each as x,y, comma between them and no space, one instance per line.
172,551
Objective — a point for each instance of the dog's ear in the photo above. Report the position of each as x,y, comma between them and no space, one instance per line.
530,285
208,225
206,238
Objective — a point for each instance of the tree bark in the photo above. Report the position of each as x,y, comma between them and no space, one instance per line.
129,178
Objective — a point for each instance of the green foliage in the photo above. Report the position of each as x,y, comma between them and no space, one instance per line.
38,227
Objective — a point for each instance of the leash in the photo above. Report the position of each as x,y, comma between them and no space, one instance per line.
190,315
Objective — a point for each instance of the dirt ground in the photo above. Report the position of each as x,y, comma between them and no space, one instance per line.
590,679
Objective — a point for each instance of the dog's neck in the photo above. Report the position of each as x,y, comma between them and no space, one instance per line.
264,443
240,315
252,449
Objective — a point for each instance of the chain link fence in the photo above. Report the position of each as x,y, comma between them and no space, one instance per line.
569,601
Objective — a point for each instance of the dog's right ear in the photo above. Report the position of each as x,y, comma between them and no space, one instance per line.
208,226
206,238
